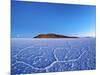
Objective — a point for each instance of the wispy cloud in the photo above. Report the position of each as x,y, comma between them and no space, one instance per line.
87,34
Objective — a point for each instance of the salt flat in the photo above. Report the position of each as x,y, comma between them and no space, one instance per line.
52,55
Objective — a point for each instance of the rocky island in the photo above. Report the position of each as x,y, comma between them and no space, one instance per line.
52,35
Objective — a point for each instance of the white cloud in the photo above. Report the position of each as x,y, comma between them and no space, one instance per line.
87,34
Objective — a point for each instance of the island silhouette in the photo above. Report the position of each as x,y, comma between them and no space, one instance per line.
53,35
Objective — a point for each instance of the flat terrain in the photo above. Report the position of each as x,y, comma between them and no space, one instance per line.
52,55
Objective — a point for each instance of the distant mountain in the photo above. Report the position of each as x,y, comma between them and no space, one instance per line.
52,35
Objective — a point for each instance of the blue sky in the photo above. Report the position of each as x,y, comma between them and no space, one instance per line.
29,19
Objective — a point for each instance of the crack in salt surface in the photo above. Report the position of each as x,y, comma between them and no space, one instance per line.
78,57
29,57
29,65
46,68
55,56
23,50
57,61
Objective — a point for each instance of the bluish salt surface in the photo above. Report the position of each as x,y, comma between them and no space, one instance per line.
52,55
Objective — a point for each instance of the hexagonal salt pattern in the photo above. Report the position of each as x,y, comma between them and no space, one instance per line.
52,55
